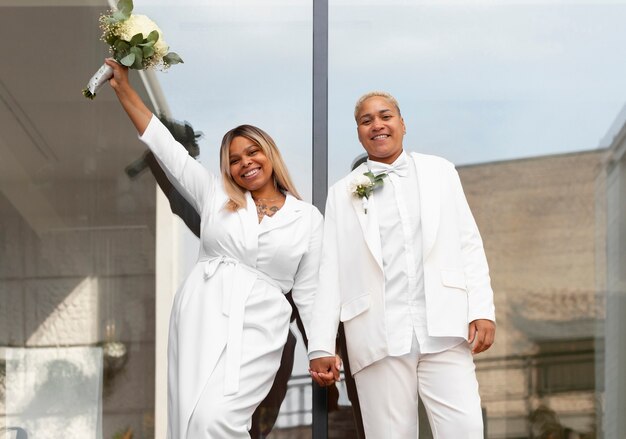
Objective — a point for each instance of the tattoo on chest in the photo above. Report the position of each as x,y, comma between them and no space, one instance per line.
263,209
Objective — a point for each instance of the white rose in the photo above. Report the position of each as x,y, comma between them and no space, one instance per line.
359,180
160,47
363,180
137,24
140,24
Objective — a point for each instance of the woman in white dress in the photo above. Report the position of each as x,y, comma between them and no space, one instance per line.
230,318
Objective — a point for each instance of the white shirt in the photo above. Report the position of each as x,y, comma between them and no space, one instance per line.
398,210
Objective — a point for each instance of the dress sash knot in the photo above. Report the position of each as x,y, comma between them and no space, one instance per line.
234,297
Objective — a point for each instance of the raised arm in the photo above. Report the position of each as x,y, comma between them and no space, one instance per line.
188,176
137,111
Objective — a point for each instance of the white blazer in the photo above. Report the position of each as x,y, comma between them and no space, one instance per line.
351,284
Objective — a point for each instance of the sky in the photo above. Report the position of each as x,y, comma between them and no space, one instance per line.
477,81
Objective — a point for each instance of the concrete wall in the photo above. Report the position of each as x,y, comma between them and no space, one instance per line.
80,286
541,232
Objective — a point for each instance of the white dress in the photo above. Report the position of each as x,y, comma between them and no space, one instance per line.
230,319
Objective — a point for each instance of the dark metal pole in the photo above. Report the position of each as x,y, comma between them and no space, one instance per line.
320,103
320,165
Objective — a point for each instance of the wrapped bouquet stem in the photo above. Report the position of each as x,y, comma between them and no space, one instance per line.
103,74
135,41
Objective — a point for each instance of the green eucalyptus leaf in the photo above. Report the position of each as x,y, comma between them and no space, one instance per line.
118,16
110,38
121,46
153,36
148,51
138,64
128,60
125,7
172,58
147,44
136,39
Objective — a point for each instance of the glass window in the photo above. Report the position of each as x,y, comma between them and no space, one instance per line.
525,98
77,237
78,201
247,63
244,64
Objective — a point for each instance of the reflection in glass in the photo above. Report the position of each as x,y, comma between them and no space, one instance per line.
540,230
610,362
482,83
512,92
247,63
76,238
53,392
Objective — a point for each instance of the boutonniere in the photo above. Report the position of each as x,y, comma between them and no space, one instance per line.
363,185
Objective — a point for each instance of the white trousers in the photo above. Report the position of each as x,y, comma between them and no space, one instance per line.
446,382
219,416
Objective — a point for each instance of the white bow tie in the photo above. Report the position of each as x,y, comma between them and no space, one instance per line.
399,167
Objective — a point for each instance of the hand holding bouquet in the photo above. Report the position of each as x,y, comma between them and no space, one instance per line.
135,42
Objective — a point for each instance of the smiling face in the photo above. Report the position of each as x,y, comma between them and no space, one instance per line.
249,166
381,129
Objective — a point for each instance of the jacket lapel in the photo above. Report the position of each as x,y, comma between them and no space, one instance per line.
250,230
289,213
429,189
368,221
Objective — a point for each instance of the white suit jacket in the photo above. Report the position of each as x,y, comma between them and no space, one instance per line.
351,283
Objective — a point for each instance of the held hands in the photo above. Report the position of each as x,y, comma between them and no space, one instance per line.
482,334
325,370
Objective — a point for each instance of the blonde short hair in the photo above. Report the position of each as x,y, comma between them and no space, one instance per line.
282,180
371,94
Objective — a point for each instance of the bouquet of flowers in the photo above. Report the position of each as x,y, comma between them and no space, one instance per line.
135,41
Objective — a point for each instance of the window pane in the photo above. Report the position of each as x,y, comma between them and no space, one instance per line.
525,98
76,237
246,63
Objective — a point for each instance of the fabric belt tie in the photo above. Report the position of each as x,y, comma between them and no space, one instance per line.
233,305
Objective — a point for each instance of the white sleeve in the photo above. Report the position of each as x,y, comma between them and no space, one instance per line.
326,309
305,281
479,292
189,177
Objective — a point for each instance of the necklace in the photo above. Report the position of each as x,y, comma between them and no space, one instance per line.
257,200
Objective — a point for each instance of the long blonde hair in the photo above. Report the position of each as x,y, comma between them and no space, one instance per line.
280,174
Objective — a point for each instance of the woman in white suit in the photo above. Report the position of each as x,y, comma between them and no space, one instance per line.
230,318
